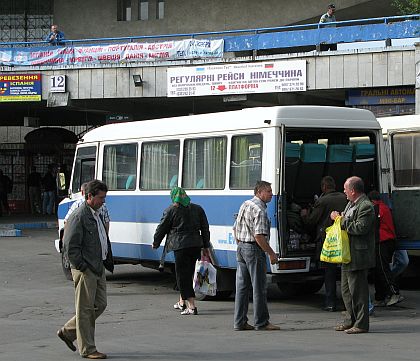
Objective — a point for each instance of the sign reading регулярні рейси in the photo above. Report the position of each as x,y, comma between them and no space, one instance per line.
20,87
241,78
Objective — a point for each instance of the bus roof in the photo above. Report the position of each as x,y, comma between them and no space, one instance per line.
399,122
249,118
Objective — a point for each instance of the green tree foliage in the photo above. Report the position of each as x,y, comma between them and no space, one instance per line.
406,7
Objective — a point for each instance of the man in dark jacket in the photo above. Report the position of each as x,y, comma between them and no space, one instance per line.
49,185
88,249
319,218
186,229
358,220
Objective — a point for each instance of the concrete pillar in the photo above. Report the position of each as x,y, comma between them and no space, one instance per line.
417,68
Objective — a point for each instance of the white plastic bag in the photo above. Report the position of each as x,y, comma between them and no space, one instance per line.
204,281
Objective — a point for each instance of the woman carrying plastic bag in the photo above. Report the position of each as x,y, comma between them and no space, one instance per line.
205,277
186,229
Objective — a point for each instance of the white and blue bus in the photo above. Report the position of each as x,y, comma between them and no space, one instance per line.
218,158
402,150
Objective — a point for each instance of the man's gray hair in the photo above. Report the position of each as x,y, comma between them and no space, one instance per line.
356,184
260,186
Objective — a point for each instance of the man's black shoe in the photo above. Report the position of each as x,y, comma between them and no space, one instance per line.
330,309
68,342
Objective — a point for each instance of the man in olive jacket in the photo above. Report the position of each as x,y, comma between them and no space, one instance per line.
87,246
358,220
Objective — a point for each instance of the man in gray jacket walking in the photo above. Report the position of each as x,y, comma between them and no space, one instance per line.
87,246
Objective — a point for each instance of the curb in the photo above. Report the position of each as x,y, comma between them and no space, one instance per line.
10,233
35,225
15,229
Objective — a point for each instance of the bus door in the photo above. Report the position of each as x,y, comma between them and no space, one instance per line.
282,196
292,258
405,185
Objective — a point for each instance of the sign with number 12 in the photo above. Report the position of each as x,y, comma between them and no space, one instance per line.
58,84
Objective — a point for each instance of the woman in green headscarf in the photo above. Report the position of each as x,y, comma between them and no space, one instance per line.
178,195
186,229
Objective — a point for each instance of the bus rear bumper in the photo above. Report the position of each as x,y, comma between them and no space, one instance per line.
292,265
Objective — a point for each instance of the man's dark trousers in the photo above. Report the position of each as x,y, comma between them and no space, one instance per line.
355,292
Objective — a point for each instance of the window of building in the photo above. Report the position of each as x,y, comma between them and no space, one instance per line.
204,163
160,9
25,20
159,165
245,166
119,166
143,10
124,10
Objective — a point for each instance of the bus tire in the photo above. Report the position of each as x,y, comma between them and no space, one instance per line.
66,267
310,287
288,289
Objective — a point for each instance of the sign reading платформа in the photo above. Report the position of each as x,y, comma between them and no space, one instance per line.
20,87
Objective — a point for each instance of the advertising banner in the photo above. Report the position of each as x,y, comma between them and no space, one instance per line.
381,96
113,53
20,87
244,78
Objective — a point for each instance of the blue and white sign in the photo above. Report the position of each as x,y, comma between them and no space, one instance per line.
113,53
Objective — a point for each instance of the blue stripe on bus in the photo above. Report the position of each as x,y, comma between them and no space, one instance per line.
220,209
412,244
63,209
143,252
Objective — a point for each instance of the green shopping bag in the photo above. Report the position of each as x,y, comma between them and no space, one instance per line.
336,247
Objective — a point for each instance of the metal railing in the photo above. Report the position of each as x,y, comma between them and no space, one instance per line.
383,28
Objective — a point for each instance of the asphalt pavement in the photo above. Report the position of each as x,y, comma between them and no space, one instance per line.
140,323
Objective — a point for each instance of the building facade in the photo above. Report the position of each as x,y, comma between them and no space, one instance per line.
102,93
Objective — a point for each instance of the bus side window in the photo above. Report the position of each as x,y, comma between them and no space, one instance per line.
84,167
120,166
204,163
159,165
246,155
406,159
